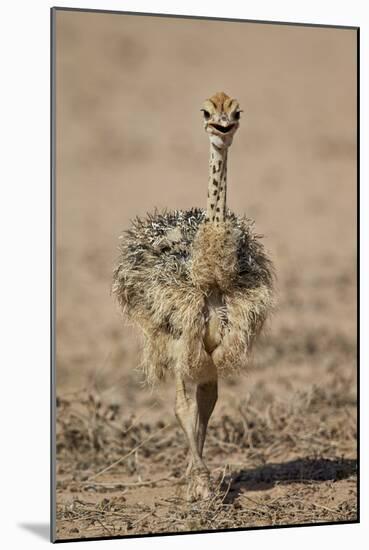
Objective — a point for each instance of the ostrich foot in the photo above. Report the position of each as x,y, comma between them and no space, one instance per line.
199,487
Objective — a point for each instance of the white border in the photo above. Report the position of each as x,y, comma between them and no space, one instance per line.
24,235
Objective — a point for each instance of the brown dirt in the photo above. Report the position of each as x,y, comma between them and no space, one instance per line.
282,440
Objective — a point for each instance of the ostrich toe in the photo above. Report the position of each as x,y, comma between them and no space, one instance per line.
199,486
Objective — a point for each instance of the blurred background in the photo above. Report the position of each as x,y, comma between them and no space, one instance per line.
129,138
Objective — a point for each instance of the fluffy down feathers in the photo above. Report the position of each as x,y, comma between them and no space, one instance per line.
170,266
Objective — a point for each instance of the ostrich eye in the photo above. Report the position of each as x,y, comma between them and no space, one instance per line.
237,115
206,114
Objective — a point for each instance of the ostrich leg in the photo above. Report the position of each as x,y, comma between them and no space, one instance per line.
206,397
186,411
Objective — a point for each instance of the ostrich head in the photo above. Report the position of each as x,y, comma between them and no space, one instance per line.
221,119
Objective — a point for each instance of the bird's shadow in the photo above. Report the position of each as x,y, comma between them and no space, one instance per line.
302,470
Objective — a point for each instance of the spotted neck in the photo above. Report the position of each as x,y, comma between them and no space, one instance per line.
217,186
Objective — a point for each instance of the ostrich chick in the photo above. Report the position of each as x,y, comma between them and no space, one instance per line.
199,285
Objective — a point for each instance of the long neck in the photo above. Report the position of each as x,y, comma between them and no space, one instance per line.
217,186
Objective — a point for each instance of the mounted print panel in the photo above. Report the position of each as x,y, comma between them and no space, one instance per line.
204,181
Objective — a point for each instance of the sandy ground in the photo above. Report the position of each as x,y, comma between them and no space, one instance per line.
282,440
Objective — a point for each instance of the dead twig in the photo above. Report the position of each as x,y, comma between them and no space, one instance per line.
128,454
120,484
